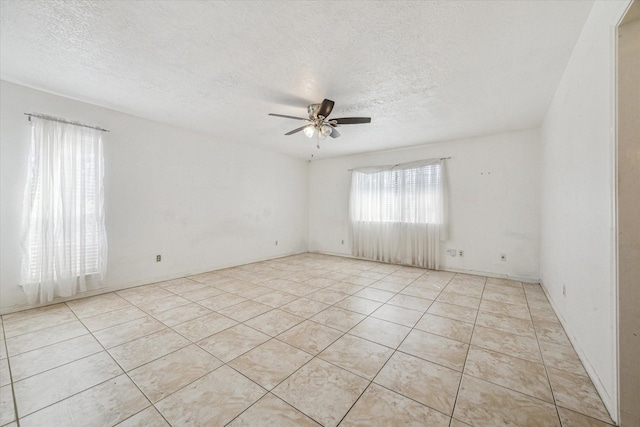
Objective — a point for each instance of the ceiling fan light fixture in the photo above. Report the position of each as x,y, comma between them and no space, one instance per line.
318,124
325,131
309,130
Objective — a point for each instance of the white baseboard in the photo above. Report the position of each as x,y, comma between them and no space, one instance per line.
607,399
495,275
106,289
452,270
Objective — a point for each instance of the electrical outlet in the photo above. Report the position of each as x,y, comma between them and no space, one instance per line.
460,253
158,258
452,252
503,257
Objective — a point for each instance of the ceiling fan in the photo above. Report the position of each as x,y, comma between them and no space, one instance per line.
318,124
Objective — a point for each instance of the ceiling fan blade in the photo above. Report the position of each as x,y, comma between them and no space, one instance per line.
296,130
334,133
352,120
287,117
325,108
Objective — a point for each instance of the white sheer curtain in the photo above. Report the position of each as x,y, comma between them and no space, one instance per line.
398,214
63,233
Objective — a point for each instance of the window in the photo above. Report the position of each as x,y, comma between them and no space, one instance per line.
397,213
405,195
64,239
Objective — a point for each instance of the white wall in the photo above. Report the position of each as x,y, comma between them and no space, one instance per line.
494,201
577,205
201,203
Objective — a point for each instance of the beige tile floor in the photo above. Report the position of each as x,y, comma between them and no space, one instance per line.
305,340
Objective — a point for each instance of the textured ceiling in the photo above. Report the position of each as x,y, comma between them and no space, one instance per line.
424,71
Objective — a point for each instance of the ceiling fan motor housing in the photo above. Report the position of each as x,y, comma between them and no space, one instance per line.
312,109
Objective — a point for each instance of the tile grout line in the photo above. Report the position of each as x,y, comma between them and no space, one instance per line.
38,330
296,370
455,400
13,393
314,357
271,390
50,345
104,349
18,418
275,396
227,363
544,364
509,355
124,372
395,350
77,319
343,333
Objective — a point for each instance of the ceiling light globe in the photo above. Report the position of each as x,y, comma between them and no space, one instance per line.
309,131
325,131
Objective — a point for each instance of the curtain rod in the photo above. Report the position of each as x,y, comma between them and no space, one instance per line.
398,164
58,119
